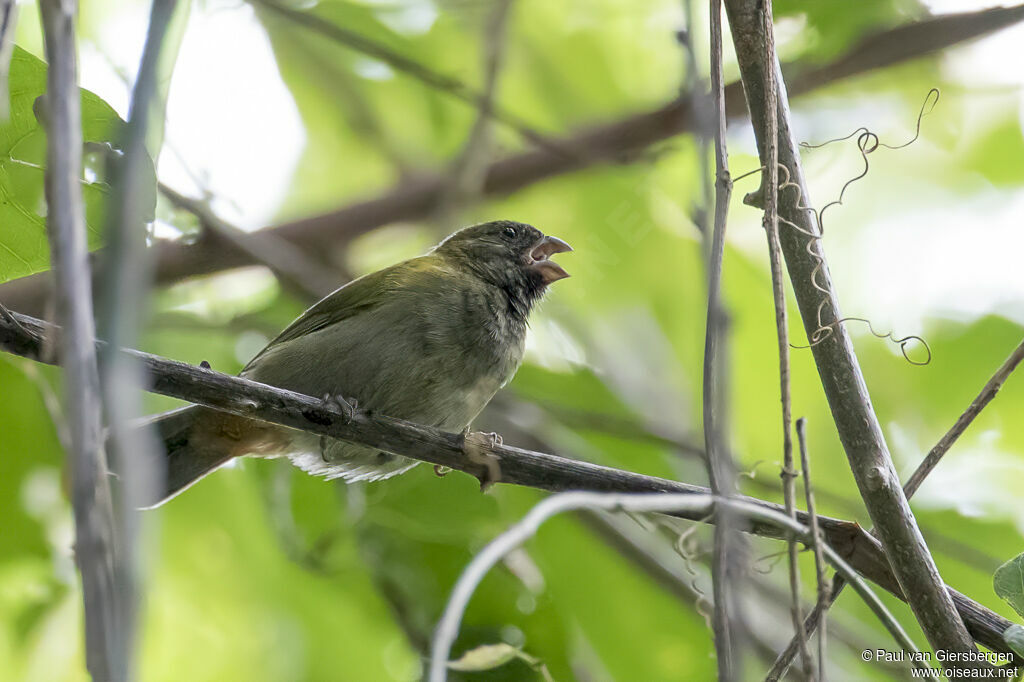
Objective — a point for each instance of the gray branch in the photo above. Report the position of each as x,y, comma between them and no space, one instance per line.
134,452
302,276
770,186
988,392
8,20
65,223
28,337
841,377
728,562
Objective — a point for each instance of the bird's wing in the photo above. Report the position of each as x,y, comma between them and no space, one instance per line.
358,296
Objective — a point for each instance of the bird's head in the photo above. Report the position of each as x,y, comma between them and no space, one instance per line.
513,256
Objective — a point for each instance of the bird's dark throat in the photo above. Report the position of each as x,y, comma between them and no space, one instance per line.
522,293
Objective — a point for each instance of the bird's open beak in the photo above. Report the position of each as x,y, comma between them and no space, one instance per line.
540,259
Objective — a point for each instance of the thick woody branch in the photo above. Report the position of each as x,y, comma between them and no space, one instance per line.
841,377
28,337
617,141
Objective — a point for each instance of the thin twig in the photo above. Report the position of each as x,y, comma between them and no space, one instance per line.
439,81
448,627
132,451
104,639
468,171
770,191
31,338
656,558
988,392
814,618
628,428
618,141
727,565
303,276
821,573
8,20
838,367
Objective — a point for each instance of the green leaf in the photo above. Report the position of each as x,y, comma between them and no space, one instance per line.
23,245
485,657
1008,582
1014,638
491,656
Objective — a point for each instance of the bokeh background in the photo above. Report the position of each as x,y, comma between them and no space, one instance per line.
263,573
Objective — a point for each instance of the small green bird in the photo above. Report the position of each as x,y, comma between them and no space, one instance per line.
429,340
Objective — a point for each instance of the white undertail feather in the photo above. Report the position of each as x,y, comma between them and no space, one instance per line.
353,470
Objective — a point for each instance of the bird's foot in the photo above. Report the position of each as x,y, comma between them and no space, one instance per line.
348,410
477,446
348,407
441,470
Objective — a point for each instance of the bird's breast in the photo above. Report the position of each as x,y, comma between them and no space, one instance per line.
474,336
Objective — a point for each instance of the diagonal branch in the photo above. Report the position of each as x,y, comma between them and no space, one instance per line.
988,392
469,168
617,141
304,277
434,79
28,337
841,377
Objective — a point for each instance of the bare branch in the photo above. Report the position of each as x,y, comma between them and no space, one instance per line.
29,337
652,554
618,141
439,81
770,190
470,167
825,598
447,629
819,558
104,639
727,564
837,363
133,451
8,20
988,392
304,277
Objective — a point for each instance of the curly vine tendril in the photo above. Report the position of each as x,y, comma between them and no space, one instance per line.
867,142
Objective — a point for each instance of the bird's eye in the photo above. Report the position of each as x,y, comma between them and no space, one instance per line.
510,233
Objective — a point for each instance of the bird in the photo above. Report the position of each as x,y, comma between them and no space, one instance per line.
429,340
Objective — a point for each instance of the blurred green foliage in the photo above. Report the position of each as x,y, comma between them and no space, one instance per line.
263,573
23,246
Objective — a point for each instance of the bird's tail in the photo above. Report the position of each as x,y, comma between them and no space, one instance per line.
198,440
